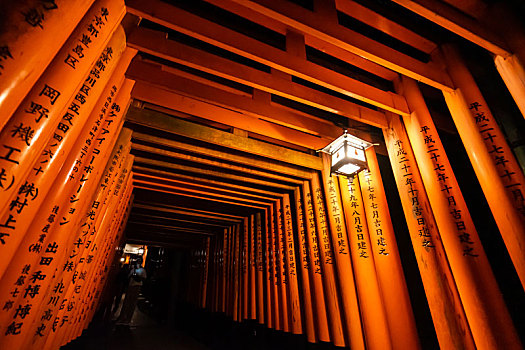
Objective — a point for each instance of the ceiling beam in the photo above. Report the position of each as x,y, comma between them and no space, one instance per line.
155,43
240,44
213,189
457,22
192,212
152,94
320,45
215,164
207,181
269,165
327,28
193,194
206,173
173,125
156,75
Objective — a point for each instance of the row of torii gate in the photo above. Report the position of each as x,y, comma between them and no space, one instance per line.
62,101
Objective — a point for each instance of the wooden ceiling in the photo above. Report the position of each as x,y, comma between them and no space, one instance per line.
233,97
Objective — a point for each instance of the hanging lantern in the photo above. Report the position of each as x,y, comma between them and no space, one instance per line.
347,155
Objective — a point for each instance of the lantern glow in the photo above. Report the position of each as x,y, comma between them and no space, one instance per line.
347,155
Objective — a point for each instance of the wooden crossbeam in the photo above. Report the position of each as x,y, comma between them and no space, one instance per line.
189,211
164,122
155,43
383,24
152,94
212,173
155,218
194,179
314,42
190,185
154,74
268,165
196,194
457,22
327,28
189,24
216,164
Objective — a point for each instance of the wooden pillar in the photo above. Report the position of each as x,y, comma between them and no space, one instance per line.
345,273
445,306
261,286
33,33
245,260
291,267
270,284
485,309
498,172
32,125
396,299
283,275
513,74
375,325
331,293
252,315
304,264
276,275
316,263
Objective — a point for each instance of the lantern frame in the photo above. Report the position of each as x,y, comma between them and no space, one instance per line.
347,155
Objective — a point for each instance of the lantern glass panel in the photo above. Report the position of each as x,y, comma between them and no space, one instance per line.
348,169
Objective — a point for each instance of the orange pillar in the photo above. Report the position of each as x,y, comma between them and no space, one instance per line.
449,319
270,280
513,74
245,269
253,275
375,325
316,275
389,270
304,266
498,172
283,275
331,293
32,125
72,197
27,46
291,266
206,269
33,190
260,268
345,273
486,312
276,275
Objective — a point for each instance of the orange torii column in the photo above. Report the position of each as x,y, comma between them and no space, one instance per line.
396,299
253,274
244,267
331,293
305,265
283,275
37,236
486,312
343,262
260,268
270,280
375,325
316,275
79,195
276,275
449,319
206,268
498,172
33,191
236,302
87,275
291,266
224,270
513,74
33,32
32,125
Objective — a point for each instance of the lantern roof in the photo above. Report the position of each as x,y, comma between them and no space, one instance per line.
338,142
